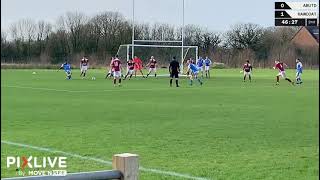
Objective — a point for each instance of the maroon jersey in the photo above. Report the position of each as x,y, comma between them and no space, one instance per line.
130,65
84,61
280,66
247,67
153,63
115,64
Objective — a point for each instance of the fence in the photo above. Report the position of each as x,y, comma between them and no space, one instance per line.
125,167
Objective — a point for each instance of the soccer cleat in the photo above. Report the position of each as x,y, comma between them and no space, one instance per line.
277,83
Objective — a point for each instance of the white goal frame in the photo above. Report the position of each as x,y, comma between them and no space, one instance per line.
180,42
128,46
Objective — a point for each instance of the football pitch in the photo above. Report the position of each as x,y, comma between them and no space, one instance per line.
226,129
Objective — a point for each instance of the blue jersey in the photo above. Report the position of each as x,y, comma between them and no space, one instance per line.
66,67
299,67
193,68
200,62
207,62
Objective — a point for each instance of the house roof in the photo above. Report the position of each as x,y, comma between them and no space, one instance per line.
314,31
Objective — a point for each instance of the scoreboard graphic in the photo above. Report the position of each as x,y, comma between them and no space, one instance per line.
296,13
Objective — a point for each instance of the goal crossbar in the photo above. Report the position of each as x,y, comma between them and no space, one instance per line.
158,41
165,46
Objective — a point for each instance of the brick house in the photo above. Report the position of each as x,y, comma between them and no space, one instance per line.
307,37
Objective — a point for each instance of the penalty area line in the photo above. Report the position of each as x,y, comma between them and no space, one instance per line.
155,171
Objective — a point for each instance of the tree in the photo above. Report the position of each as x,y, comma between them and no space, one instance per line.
75,23
243,36
210,41
43,31
23,32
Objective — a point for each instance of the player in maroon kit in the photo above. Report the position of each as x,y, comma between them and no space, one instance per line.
84,63
116,66
280,66
152,66
130,69
247,69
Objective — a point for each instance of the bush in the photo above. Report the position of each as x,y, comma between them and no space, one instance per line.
28,66
217,65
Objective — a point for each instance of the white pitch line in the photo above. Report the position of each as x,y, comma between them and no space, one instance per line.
155,171
124,89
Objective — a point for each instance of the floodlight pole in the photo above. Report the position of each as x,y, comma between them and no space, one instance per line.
182,35
132,52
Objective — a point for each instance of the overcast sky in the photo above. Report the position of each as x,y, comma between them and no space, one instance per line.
216,15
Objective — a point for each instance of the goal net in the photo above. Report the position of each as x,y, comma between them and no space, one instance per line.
162,53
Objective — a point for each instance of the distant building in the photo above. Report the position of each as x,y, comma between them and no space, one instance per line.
307,37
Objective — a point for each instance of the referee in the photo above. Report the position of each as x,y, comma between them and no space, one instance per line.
174,70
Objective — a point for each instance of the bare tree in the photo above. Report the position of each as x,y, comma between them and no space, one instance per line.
210,41
74,23
95,32
243,36
3,36
24,31
142,31
43,31
111,23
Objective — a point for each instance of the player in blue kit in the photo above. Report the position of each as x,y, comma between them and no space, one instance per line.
299,71
200,63
67,68
207,63
194,72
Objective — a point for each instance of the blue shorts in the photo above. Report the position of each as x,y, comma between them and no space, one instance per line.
68,72
195,72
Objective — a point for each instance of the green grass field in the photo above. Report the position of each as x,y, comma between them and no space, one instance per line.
225,129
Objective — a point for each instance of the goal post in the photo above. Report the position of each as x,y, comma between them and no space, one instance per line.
163,52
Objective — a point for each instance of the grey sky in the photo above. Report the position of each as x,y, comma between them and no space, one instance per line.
216,15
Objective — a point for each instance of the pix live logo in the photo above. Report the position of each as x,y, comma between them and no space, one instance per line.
34,164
